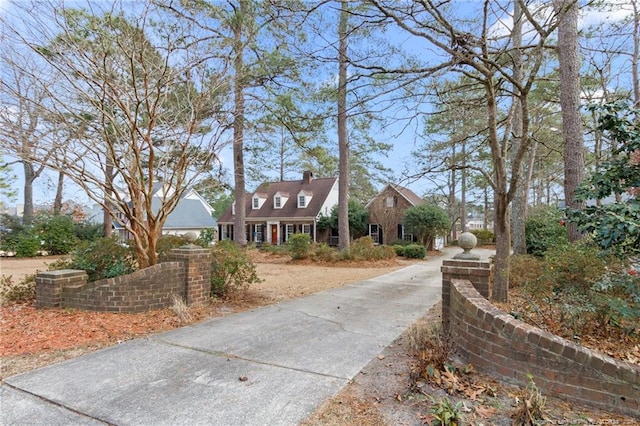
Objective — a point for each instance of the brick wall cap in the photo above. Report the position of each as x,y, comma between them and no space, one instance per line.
62,273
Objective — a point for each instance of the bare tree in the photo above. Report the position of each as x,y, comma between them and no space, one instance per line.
25,128
148,98
474,49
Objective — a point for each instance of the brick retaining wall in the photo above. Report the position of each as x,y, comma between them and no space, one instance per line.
498,344
187,276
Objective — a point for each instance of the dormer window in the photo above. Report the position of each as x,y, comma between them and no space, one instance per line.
304,198
257,201
280,199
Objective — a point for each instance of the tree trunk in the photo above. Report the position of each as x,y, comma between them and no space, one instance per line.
57,202
501,200
570,104
239,223
343,136
107,218
501,231
452,193
519,205
636,54
463,189
29,177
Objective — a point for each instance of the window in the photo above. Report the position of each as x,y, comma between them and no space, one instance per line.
277,202
302,201
374,233
256,202
306,229
258,234
392,201
290,230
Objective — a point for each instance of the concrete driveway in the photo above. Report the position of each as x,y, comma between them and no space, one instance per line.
269,366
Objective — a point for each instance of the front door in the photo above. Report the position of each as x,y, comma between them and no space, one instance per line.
274,234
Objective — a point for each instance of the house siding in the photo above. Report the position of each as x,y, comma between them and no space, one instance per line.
389,218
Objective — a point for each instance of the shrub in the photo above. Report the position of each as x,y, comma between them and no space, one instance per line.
23,291
103,258
364,249
275,249
580,289
399,249
324,253
544,230
12,230
28,244
166,243
400,242
232,269
525,270
88,231
575,266
206,238
433,345
300,246
415,251
484,236
57,233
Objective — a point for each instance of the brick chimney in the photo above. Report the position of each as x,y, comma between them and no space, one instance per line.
307,176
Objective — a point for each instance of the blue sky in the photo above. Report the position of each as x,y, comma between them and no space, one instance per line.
398,159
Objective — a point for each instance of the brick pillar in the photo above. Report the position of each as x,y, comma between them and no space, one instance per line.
197,272
478,273
49,285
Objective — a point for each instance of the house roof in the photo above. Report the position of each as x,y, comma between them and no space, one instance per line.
319,189
191,212
406,193
188,214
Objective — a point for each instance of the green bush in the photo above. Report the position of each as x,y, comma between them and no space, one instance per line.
88,231
415,251
364,249
400,242
274,248
300,246
57,233
232,269
28,244
324,253
399,249
206,238
575,266
581,288
13,228
102,258
166,243
484,236
544,229
21,292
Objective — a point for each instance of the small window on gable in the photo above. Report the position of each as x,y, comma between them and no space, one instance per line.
277,202
302,201
257,201
392,201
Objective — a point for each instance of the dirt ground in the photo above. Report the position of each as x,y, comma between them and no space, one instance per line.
383,393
